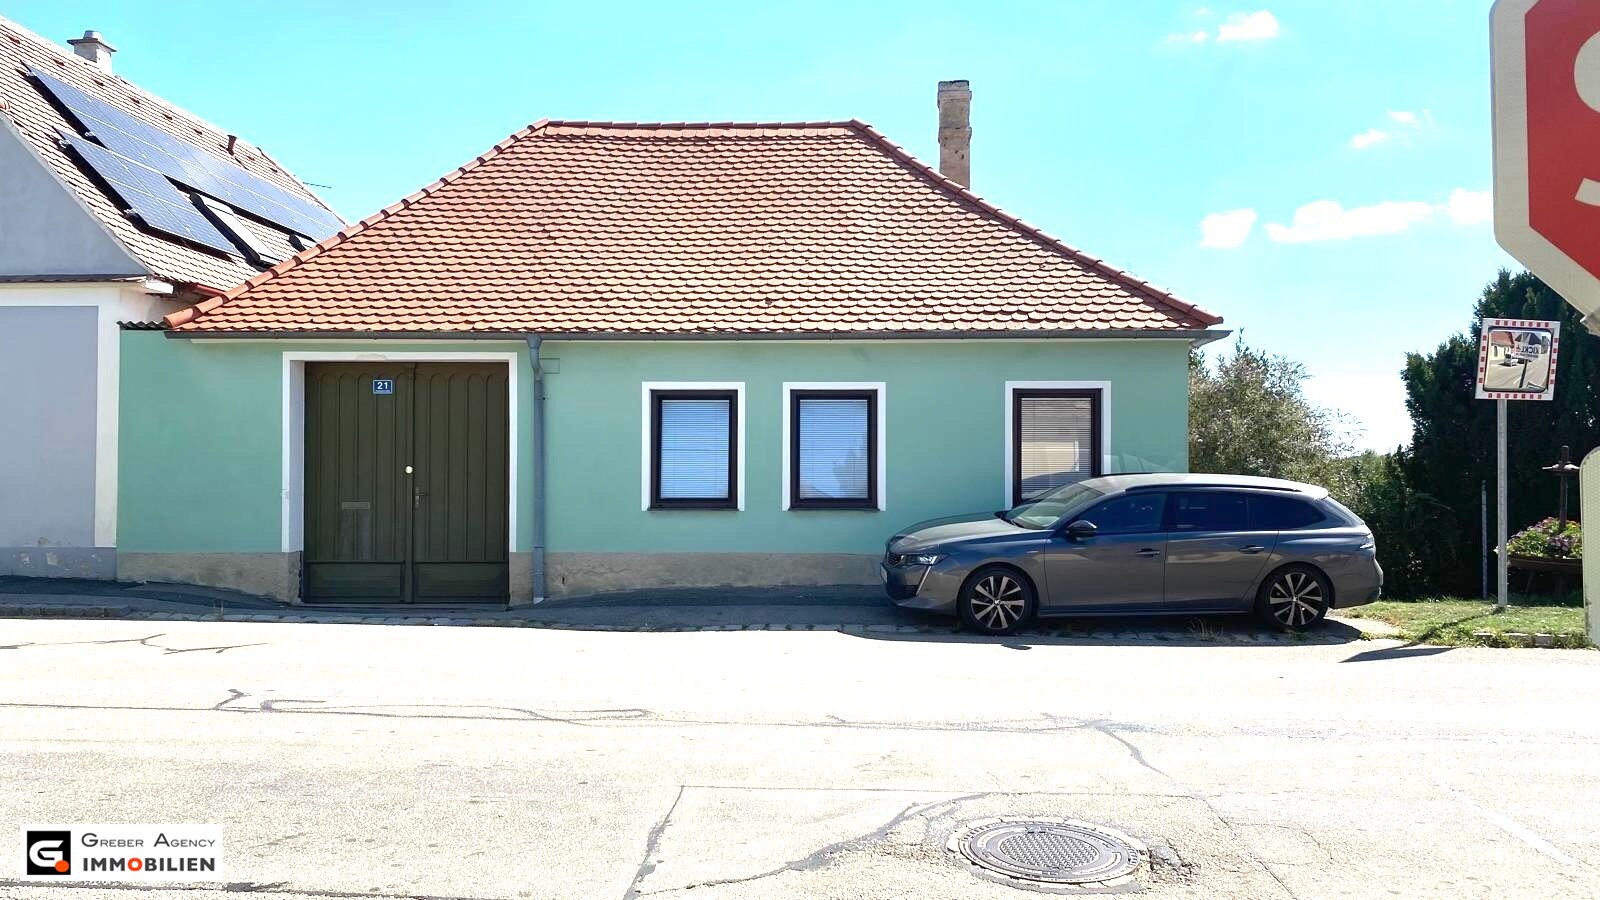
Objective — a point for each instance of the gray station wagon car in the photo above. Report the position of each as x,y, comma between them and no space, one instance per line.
1141,544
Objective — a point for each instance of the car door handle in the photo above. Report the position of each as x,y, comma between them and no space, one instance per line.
1253,548
1148,553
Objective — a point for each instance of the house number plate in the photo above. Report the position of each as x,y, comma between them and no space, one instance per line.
383,385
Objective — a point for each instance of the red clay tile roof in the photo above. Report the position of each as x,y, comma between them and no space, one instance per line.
38,121
622,228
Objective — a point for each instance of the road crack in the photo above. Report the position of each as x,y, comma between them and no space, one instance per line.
828,853
652,846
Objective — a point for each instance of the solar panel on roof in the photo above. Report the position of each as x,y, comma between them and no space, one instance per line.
150,196
234,225
188,164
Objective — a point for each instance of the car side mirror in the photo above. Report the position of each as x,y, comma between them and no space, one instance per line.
1082,529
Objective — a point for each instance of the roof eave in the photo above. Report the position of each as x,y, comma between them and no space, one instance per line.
1197,336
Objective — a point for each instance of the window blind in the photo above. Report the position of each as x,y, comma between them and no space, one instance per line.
694,449
833,449
1056,437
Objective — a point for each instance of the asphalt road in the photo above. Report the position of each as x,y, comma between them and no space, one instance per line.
350,760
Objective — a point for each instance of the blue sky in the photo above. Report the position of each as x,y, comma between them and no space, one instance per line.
1352,138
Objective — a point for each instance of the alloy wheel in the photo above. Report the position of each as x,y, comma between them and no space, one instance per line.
998,601
1296,599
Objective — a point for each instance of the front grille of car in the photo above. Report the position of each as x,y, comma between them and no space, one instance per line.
902,590
894,560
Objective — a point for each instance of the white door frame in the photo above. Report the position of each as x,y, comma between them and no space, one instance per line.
294,424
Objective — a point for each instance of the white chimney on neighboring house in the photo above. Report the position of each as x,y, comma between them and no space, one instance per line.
955,131
94,48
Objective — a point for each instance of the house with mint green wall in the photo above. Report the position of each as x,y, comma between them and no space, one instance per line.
615,356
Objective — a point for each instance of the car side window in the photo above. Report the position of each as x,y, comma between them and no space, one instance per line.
1129,514
1282,513
1197,511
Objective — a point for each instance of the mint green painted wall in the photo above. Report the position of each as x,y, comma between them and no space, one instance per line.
201,470
200,457
944,432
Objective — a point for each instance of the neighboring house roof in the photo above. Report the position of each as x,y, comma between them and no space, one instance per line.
695,229
41,124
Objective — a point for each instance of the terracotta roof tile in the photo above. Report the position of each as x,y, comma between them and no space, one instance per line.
675,228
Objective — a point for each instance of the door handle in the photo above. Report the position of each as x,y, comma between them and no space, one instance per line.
416,497
1252,549
1148,553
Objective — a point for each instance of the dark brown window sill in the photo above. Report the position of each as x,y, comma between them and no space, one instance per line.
667,505
859,505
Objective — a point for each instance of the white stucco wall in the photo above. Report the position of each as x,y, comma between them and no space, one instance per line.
59,397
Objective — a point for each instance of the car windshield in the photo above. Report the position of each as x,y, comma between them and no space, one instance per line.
1046,510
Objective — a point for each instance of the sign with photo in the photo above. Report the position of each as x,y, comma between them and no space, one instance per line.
1517,359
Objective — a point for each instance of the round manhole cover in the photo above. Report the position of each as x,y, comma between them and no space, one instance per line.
1050,851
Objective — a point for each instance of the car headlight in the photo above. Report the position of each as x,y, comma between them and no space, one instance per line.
924,559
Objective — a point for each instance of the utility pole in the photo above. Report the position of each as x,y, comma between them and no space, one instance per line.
1483,536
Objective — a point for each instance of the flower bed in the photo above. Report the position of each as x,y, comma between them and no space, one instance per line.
1548,541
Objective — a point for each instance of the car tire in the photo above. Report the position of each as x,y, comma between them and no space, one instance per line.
997,600
1294,598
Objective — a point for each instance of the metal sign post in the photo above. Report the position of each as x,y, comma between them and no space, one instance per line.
1502,564
1516,361
1589,505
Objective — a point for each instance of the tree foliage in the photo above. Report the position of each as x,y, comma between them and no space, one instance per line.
1452,452
1418,536
1249,415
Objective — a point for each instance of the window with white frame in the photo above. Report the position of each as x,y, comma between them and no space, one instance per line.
694,449
1055,439
833,456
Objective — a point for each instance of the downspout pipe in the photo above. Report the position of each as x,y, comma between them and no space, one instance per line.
534,344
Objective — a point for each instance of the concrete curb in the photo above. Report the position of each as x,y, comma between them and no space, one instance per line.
476,619
1538,640
74,611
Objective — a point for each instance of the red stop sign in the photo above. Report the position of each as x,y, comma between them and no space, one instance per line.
1547,142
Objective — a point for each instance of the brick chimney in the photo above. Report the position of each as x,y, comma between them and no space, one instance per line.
955,131
94,48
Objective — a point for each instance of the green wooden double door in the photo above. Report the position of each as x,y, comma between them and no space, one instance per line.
406,482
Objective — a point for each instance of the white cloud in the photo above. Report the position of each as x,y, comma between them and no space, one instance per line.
1256,26
1327,220
1470,207
1407,123
1370,138
1375,402
1227,230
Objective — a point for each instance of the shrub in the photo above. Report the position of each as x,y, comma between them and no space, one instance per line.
1548,540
